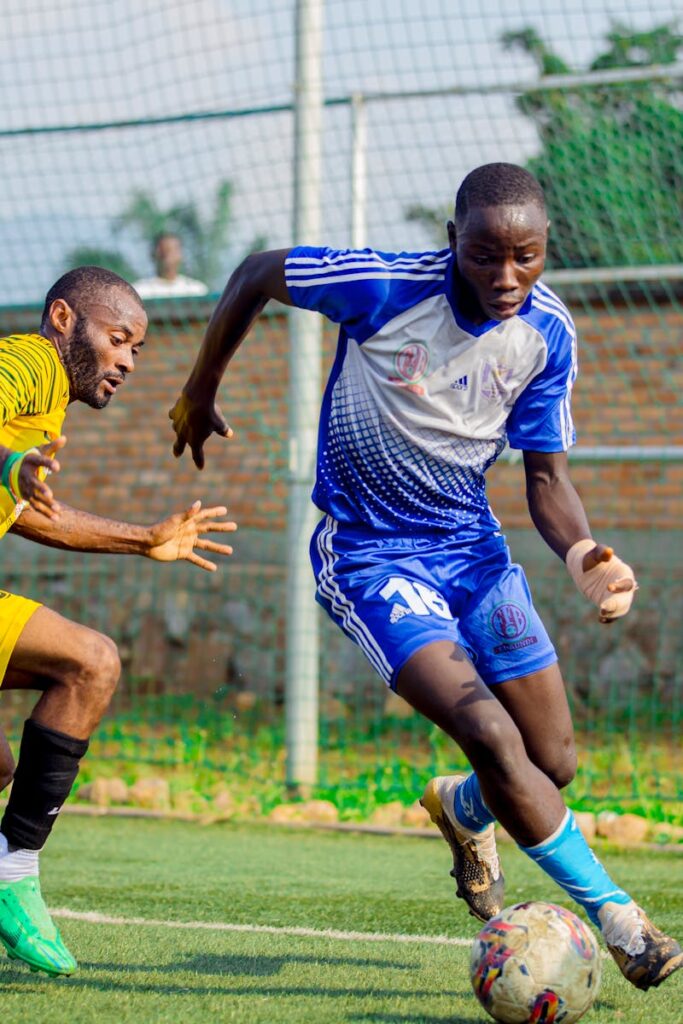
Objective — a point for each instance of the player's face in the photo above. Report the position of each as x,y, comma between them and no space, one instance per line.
168,256
102,348
500,253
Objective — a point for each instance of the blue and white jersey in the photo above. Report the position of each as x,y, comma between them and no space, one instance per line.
420,402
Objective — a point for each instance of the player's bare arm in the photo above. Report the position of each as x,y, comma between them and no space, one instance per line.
259,278
559,516
19,472
178,537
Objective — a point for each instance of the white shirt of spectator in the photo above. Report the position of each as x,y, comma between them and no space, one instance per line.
162,287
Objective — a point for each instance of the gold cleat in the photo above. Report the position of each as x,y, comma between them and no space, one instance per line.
476,868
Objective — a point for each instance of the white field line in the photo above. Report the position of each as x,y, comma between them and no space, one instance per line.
92,917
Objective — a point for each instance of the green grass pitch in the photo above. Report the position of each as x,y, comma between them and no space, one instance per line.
169,872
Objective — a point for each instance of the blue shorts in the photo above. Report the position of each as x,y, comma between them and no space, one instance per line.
394,594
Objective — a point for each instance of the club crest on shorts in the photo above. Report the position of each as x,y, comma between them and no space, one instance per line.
510,622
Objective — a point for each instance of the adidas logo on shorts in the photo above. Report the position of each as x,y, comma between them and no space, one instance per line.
397,612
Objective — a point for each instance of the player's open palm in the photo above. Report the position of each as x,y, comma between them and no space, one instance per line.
193,423
181,536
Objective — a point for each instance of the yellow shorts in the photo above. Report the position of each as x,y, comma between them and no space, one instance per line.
15,611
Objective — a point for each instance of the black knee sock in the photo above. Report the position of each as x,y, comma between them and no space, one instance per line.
46,770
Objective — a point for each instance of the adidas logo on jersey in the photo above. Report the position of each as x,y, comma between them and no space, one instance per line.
461,384
397,612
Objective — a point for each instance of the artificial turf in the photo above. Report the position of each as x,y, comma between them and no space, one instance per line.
178,872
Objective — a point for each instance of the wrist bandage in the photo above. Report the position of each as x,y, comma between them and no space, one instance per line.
594,583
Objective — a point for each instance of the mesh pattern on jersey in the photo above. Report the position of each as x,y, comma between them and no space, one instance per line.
401,476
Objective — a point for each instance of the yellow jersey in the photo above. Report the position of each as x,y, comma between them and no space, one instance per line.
34,394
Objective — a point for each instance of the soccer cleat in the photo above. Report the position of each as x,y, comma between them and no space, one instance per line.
643,954
27,931
476,867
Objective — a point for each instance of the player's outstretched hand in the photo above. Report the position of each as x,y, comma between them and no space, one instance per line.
603,578
193,423
182,535
26,478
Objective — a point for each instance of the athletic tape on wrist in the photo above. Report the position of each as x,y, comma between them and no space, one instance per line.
594,583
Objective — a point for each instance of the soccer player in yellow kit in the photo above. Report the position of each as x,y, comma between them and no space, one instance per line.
92,329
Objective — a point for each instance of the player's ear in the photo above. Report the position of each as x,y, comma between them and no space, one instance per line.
62,317
452,234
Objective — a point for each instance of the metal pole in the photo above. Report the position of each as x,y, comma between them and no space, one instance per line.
301,673
359,176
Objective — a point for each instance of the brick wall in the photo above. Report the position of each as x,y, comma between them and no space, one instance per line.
182,630
118,462
628,392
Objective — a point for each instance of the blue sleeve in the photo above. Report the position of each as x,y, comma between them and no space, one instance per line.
541,418
360,288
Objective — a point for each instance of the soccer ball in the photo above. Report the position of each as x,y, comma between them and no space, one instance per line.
535,963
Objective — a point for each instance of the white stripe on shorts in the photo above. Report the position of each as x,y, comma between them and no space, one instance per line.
344,607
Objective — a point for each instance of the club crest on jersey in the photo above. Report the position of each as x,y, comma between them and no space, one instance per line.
509,622
494,380
411,362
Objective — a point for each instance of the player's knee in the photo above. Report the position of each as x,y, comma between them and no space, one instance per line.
556,758
99,669
563,769
495,743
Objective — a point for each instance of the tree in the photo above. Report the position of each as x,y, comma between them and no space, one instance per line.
610,155
110,259
433,219
204,238
610,159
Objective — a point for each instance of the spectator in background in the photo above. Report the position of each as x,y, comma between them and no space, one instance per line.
167,254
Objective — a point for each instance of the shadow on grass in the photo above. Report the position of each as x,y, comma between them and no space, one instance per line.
253,966
411,1018
16,980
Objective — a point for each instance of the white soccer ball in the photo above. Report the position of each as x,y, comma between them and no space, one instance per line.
535,963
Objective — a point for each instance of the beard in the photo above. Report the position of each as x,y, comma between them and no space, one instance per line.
82,368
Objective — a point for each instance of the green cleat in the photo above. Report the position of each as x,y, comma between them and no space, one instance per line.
27,931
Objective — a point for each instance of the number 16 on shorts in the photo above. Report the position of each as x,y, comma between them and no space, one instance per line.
419,599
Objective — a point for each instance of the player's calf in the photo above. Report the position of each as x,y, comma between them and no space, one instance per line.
47,767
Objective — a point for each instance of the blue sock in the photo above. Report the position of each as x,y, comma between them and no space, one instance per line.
469,806
569,860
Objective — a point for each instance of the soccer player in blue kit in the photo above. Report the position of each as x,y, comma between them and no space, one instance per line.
443,357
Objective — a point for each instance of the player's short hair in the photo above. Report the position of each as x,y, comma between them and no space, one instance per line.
83,286
498,184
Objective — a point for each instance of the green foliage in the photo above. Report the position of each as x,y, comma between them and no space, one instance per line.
110,259
204,238
610,158
610,155
433,219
